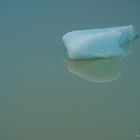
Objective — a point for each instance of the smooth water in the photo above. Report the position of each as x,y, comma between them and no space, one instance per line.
39,98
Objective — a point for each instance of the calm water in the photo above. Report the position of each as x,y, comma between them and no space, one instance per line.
39,98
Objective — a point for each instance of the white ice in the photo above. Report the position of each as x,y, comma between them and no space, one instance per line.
96,43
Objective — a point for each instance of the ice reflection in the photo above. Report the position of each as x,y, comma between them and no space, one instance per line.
96,70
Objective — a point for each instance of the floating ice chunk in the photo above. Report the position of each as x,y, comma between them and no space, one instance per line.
95,43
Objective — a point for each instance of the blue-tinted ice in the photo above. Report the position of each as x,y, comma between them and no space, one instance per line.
96,43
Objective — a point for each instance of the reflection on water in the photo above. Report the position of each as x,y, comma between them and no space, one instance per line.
98,70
